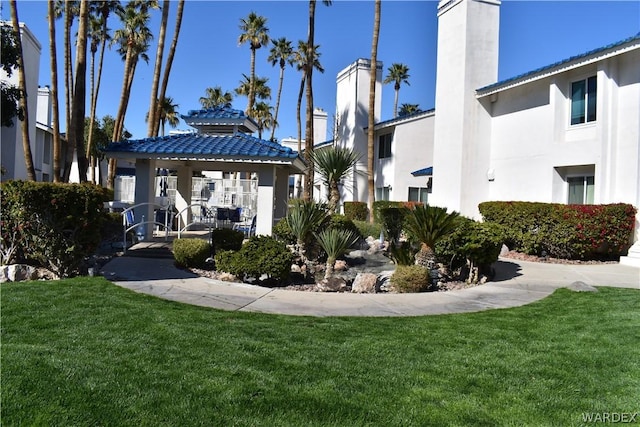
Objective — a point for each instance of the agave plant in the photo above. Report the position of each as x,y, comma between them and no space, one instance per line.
303,218
335,242
427,225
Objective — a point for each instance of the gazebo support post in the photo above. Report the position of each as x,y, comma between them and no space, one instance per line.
145,193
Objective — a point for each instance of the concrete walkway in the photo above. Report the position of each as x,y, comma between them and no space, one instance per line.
516,283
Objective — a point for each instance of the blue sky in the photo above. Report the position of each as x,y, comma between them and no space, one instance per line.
532,34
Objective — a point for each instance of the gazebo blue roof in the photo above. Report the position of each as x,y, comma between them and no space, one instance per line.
203,145
215,113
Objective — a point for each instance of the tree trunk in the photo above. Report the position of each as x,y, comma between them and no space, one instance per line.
57,146
371,111
119,120
252,82
94,101
68,85
328,270
22,83
154,101
80,91
308,144
275,118
334,197
167,69
395,103
300,93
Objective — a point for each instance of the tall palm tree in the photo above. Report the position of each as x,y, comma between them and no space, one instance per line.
334,164
263,115
281,53
428,225
308,184
398,74
255,32
133,40
216,97
300,59
260,88
75,134
99,35
22,86
55,111
406,109
155,81
372,103
167,68
168,113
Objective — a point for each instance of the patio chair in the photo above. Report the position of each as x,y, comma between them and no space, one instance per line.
248,230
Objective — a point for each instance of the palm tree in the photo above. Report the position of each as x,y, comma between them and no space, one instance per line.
167,69
281,53
168,113
406,109
256,33
427,225
300,59
335,242
215,97
133,39
262,114
155,82
373,70
22,86
308,184
303,218
398,74
260,88
99,35
334,164
57,145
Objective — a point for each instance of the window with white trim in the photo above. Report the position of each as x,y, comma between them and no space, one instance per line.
581,189
382,193
418,194
384,146
583,100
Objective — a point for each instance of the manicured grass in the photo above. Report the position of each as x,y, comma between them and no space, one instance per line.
86,352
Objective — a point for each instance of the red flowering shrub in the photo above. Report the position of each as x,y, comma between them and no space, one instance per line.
564,231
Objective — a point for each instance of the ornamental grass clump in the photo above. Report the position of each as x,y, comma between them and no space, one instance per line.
335,242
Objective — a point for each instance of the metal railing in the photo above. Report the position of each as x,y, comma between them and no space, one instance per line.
129,224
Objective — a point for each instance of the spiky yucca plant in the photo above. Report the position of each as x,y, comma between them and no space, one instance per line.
335,242
427,225
304,217
334,164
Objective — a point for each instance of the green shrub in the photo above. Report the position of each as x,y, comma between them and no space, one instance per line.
472,245
261,255
191,253
378,205
368,230
392,221
282,232
564,231
339,222
402,253
356,211
226,239
411,278
50,224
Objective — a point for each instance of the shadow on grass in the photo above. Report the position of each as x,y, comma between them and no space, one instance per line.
506,270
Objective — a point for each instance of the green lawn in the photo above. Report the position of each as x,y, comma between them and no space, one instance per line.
86,352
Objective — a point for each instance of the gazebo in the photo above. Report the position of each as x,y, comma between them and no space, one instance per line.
222,142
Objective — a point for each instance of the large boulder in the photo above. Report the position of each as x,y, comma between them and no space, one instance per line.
332,284
18,273
364,283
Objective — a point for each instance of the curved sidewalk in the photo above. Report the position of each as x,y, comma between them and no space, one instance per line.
516,283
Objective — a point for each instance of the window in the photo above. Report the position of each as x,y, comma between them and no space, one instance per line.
418,194
384,146
583,101
580,190
382,193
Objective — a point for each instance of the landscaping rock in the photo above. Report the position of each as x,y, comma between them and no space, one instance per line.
384,281
340,265
18,273
333,284
364,283
581,287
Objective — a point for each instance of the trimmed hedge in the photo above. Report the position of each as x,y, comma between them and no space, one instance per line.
411,278
393,221
260,255
564,231
356,211
191,252
378,205
368,230
227,239
51,224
